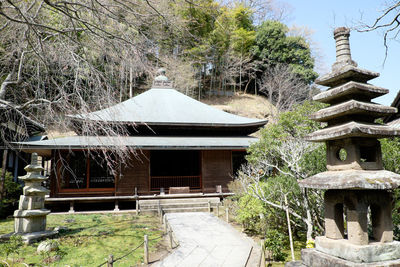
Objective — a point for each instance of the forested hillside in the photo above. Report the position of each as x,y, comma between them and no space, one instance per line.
63,57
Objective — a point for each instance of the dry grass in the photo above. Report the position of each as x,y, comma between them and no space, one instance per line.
247,105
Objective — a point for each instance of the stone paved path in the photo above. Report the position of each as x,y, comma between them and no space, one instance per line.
205,240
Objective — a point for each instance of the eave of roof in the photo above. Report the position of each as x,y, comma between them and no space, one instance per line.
396,104
139,142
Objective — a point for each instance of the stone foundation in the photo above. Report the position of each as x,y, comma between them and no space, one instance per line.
29,238
373,252
313,258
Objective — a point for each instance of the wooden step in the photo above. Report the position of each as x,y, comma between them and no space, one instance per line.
213,200
175,205
177,209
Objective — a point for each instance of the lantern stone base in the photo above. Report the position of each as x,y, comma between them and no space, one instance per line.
27,221
373,252
314,258
29,238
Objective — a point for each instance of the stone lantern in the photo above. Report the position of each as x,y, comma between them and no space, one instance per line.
30,218
358,198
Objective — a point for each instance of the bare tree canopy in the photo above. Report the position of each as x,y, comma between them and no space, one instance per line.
388,22
67,57
283,88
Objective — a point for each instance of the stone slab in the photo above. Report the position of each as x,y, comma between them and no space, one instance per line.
353,179
352,107
353,129
350,90
205,240
31,213
294,264
344,74
313,258
30,238
373,252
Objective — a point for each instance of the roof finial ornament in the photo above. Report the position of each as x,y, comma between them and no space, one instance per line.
343,53
161,75
161,81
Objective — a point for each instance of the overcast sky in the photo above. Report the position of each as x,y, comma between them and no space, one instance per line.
322,16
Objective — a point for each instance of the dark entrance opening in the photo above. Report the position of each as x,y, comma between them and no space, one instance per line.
238,158
175,168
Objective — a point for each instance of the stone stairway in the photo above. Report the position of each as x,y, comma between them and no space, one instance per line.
178,204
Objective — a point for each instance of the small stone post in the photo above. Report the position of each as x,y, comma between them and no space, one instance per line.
171,241
159,208
110,261
165,223
262,245
146,249
71,207
227,214
209,206
116,208
161,215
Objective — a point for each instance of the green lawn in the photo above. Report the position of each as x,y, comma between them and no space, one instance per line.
89,240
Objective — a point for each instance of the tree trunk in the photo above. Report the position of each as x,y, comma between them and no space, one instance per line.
247,85
3,174
240,73
255,85
130,82
308,213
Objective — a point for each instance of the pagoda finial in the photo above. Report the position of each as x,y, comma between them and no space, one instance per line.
161,75
161,81
343,53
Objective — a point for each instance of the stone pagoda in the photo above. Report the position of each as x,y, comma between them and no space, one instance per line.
358,197
30,218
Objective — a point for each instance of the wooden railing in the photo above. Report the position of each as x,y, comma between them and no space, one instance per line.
157,182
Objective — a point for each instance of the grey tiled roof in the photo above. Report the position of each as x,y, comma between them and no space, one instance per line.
167,107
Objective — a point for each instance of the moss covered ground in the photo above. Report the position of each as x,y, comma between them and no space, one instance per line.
86,241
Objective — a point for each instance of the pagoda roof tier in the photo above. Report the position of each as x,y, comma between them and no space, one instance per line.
353,179
168,108
353,129
346,74
352,107
350,90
